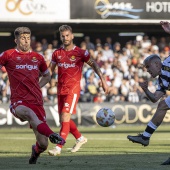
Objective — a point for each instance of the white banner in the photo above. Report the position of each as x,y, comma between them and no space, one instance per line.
45,11
125,113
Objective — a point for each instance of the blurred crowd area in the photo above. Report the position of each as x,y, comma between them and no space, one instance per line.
122,67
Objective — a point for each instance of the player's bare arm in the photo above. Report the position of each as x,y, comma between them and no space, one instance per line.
45,79
52,67
153,97
144,85
166,26
96,68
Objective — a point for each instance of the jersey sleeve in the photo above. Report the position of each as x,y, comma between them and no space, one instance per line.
43,66
159,87
85,55
53,60
3,59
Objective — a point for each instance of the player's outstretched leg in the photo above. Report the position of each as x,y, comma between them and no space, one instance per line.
34,156
167,162
56,139
139,139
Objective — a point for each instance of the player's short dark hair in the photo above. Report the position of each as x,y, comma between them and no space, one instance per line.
65,28
21,30
151,57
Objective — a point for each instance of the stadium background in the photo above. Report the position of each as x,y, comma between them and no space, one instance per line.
44,18
123,21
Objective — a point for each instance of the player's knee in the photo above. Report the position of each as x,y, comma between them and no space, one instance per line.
65,117
43,145
42,148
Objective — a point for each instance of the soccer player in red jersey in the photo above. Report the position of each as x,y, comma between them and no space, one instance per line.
23,67
70,59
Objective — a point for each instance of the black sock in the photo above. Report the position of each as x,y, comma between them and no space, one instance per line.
148,130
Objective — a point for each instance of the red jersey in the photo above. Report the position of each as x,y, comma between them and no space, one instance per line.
23,72
70,64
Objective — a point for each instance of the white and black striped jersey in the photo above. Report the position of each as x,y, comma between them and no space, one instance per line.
164,78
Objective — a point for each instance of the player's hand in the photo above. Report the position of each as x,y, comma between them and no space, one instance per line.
144,85
166,26
105,87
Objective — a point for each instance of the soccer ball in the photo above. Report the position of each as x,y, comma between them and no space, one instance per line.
105,117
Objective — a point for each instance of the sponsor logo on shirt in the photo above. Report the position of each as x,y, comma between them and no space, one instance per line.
18,58
34,59
26,66
66,65
59,57
73,58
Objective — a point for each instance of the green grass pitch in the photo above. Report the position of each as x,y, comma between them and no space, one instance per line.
106,149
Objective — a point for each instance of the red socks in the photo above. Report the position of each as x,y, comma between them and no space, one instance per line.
73,130
44,129
64,131
67,127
